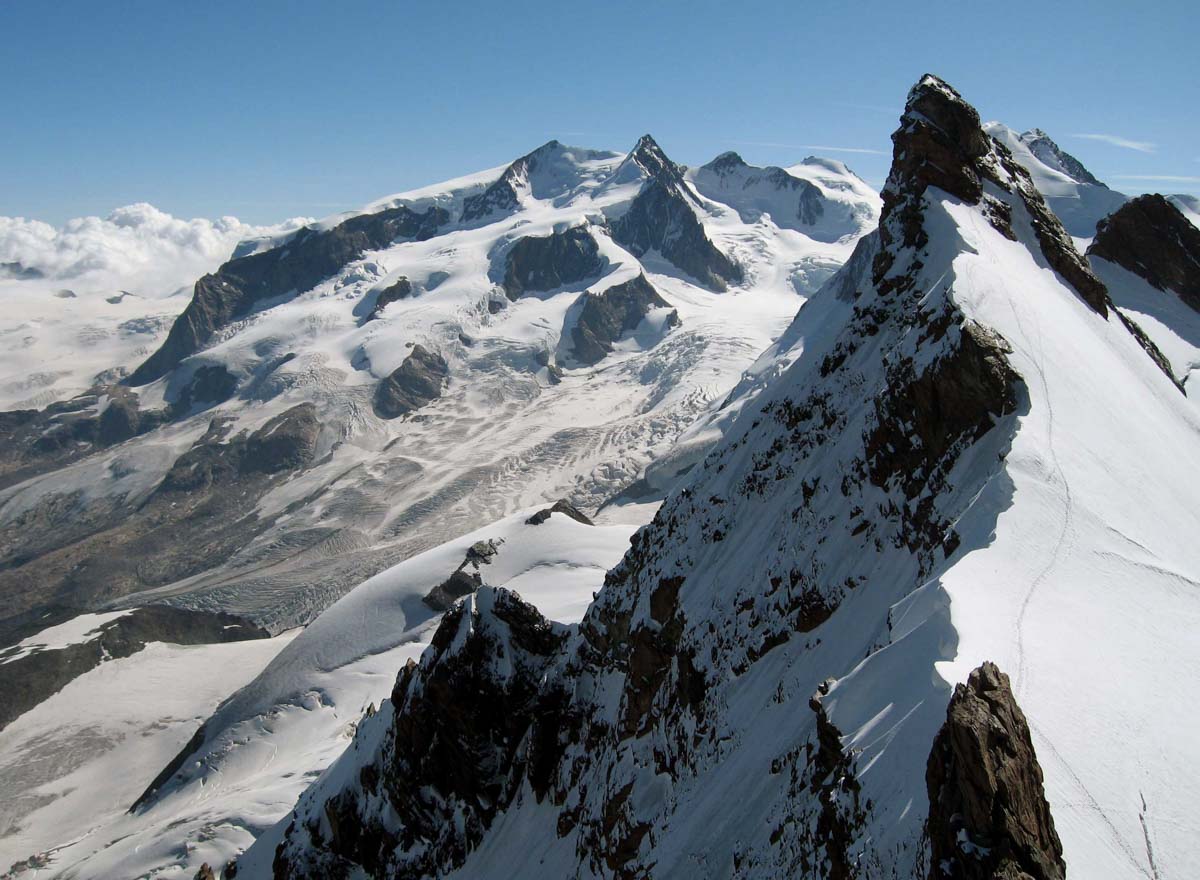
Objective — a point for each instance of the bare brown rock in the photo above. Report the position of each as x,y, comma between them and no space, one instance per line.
988,816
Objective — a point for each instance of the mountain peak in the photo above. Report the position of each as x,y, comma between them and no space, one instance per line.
726,162
1041,145
651,158
934,103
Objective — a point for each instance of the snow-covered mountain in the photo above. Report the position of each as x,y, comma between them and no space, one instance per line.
336,398
888,457
1071,191
943,475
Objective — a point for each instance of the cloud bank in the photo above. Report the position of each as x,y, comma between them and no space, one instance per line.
137,247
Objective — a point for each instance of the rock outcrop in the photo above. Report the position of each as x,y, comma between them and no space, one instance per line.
662,218
988,816
1052,154
1151,238
447,766
246,284
826,486
563,507
400,289
415,383
610,314
539,263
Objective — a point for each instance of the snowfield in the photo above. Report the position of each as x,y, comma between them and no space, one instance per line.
304,694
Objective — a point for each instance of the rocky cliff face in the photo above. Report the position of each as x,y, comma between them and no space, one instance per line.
1152,239
606,316
661,218
245,284
542,263
988,816
413,384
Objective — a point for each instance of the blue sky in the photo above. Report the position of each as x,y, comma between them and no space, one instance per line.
266,110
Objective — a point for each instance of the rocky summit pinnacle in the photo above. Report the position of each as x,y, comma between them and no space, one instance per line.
650,156
988,816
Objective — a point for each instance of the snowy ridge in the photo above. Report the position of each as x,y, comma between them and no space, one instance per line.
941,476
1071,191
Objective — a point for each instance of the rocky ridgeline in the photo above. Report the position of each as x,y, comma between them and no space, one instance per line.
248,283
610,314
543,263
841,470
662,218
416,382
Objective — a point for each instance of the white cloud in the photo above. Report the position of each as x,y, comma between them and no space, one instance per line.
1118,141
137,247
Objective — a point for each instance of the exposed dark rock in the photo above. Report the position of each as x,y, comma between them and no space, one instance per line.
205,873
502,195
118,421
466,578
208,385
988,816
444,595
243,285
399,290
548,262
28,680
940,143
662,218
285,443
413,384
1151,238
810,203
610,314
563,507
449,766
203,512
34,442
954,402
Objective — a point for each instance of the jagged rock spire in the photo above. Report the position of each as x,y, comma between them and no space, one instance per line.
988,815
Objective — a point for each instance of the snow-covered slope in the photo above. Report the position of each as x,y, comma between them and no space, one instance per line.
72,767
955,467
490,276
1073,192
261,749
1189,206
